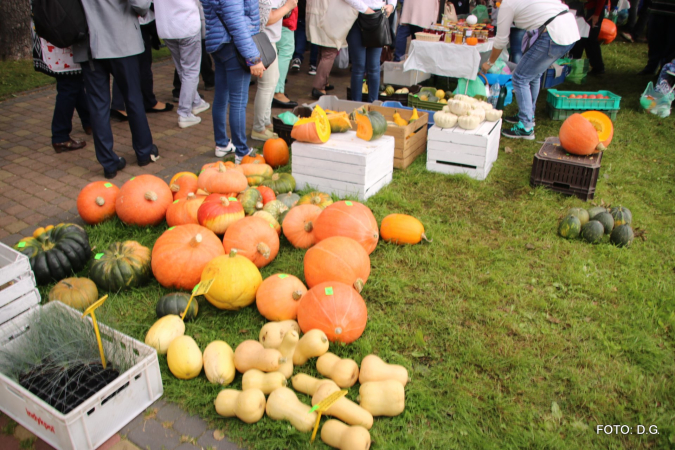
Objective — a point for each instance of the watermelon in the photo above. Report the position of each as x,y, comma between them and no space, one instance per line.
570,227
606,220
592,232
594,211
581,213
622,216
622,236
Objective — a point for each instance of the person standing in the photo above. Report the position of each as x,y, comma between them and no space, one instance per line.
660,36
416,16
285,47
556,32
594,12
301,43
113,47
179,24
205,68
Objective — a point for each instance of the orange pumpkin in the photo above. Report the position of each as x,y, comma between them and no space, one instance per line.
253,158
278,296
276,153
269,218
267,194
471,41
255,173
585,134
184,211
349,219
298,225
218,212
143,200
337,258
334,308
607,32
228,164
183,185
253,238
221,180
314,129
181,253
96,202
402,229
180,174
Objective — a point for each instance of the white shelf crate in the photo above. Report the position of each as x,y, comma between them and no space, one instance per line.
345,165
456,151
392,73
17,284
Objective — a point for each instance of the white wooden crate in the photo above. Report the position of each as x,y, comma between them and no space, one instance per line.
345,165
456,151
17,284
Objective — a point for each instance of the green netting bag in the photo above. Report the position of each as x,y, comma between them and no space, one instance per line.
481,13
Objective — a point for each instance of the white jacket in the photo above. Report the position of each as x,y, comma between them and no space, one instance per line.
329,21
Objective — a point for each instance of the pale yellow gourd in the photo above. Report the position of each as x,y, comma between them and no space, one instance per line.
445,119
469,121
266,382
162,332
382,398
478,112
344,372
493,115
251,354
247,405
465,98
287,349
485,105
312,344
459,107
373,368
343,409
283,404
219,363
344,437
272,333
307,384
184,358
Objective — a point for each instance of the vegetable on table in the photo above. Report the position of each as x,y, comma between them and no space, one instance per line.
587,133
370,125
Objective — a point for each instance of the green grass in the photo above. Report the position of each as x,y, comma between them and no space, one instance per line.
514,337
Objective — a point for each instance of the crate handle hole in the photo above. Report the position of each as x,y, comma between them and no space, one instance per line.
13,391
136,352
561,185
91,411
467,166
138,376
123,387
123,345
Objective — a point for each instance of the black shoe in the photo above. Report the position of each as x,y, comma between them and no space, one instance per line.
118,115
279,104
121,164
329,87
154,151
317,94
167,107
518,132
511,119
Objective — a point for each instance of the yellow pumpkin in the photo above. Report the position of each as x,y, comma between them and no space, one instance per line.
236,281
184,358
339,122
402,229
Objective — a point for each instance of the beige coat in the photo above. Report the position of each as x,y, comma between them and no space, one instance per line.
329,22
422,13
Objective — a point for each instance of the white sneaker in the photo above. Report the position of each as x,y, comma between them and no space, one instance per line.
188,121
203,106
237,158
222,151
262,135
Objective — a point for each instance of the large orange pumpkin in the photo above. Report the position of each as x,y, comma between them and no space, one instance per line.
96,202
253,238
334,308
298,225
275,152
402,229
222,180
184,211
337,258
585,134
183,185
143,200
350,219
181,253
278,296
218,212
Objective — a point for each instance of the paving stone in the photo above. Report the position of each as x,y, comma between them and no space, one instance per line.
154,436
190,426
170,413
138,421
187,446
124,445
16,226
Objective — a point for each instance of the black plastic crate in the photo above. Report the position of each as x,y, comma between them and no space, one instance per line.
403,98
562,172
284,131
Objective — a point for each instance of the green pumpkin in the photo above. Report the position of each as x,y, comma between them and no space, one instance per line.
570,227
251,200
275,208
58,253
581,213
280,182
390,90
370,125
592,232
175,303
594,211
622,236
290,199
622,216
123,265
606,220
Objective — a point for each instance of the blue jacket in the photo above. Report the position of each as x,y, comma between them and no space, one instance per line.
242,18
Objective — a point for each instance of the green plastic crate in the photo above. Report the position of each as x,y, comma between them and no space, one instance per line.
555,99
415,102
562,114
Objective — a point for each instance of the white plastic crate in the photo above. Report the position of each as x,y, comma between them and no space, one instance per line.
456,151
17,284
335,104
345,165
99,417
392,73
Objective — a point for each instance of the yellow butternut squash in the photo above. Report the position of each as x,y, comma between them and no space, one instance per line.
343,409
312,344
307,384
266,382
343,437
162,332
247,405
373,368
345,372
382,398
283,404
272,333
287,349
251,354
184,358
219,363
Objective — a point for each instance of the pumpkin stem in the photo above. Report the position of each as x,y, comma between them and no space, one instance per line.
601,147
324,339
424,236
191,196
259,205
338,330
264,250
196,240
309,226
224,201
221,167
233,253
100,201
70,286
296,294
358,285
275,177
174,188
151,196
282,360
315,200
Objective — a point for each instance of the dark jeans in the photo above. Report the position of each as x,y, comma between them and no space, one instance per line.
205,70
69,97
301,44
516,44
365,61
402,33
661,38
145,64
638,18
97,83
591,45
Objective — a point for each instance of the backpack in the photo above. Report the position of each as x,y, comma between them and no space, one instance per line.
60,22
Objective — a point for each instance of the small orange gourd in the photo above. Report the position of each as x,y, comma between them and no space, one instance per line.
278,296
96,202
298,225
253,238
276,153
402,229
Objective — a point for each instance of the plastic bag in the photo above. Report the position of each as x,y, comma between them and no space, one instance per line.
472,88
481,13
579,68
342,59
288,118
657,100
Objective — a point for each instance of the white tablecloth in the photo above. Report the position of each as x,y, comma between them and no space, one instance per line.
448,60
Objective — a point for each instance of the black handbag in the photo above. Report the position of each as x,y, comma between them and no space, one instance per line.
264,46
375,29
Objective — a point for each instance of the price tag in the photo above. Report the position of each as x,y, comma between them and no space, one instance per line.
328,291
176,201
132,178
348,203
200,289
232,199
170,228
282,275
323,406
98,256
108,185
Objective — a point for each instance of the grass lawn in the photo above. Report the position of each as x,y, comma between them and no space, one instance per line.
513,336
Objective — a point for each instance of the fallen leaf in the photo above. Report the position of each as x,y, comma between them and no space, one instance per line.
555,411
587,319
529,246
243,331
552,319
614,289
508,150
218,435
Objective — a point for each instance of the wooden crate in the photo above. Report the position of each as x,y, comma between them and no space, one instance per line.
345,165
455,150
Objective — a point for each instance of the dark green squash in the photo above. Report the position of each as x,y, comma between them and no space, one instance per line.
122,266
370,125
581,213
58,253
594,211
570,227
251,200
622,236
280,182
592,232
622,216
175,303
606,220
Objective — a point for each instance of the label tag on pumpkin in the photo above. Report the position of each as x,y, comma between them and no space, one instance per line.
323,406
176,201
108,185
348,203
328,291
21,244
132,178
232,199
282,275
203,287
90,311
170,228
98,256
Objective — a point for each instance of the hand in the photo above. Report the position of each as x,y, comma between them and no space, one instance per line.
369,11
291,4
389,9
486,66
258,70
594,21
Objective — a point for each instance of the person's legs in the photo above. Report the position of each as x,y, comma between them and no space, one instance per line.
145,61
117,102
326,58
175,93
67,89
285,49
186,54
263,98
206,67
81,104
655,36
593,50
402,34
300,40
373,72
516,44
357,53
313,55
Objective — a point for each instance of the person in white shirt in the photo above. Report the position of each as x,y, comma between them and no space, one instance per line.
557,32
180,25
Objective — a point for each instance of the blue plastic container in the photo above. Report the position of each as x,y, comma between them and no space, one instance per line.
548,79
398,105
503,80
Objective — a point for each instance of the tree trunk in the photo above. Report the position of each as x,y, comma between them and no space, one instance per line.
15,41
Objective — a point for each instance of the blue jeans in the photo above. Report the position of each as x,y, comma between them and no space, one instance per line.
526,77
301,44
402,33
365,61
69,96
516,44
231,88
